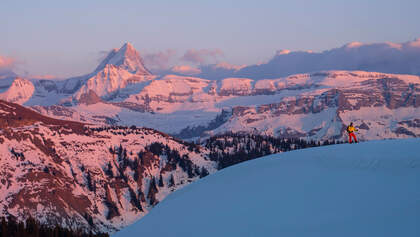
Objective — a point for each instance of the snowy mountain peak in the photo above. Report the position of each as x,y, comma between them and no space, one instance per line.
19,92
128,46
126,58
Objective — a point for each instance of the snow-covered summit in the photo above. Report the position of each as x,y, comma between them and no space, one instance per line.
121,68
325,191
126,58
20,91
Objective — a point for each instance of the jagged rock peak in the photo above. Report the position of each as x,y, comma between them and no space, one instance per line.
89,98
126,58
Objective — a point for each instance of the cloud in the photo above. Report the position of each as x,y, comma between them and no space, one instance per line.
228,66
415,44
387,57
186,69
282,52
219,70
202,56
159,60
7,65
6,62
44,77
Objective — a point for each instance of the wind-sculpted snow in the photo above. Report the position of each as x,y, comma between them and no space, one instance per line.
368,189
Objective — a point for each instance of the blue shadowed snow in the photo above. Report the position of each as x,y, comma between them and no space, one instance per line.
368,189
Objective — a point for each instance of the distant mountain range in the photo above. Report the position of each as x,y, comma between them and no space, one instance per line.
317,105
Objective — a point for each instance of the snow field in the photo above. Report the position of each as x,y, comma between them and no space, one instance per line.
369,189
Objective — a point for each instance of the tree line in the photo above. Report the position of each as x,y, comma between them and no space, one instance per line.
232,148
10,227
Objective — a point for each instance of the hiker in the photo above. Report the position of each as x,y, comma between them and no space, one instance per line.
350,131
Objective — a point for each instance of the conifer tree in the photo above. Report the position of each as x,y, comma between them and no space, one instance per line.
161,181
171,181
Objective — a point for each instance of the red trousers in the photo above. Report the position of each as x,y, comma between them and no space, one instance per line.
351,134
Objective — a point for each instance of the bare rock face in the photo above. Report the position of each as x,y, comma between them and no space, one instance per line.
318,106
90,98
94,178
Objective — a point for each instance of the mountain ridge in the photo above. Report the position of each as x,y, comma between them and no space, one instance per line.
176,104
314,106
48,171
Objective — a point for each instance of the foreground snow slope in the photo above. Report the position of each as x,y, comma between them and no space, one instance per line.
369,189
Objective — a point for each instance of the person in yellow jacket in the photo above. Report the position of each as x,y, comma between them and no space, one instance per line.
350,131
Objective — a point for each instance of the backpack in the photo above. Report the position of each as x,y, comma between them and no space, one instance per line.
348,129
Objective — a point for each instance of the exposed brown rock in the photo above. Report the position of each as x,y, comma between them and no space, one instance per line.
90,98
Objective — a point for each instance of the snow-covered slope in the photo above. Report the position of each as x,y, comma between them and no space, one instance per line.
90,178
369,189
20,91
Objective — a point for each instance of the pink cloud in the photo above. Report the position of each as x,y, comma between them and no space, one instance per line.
414,44
226,65
6,62
282,52
7,65
202,56
186,69
45,77
399,46
354,45
159,60
387,57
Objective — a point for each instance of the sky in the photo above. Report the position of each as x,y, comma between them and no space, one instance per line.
68,38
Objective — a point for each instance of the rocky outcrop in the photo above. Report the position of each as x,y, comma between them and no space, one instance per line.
94,178
89,98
